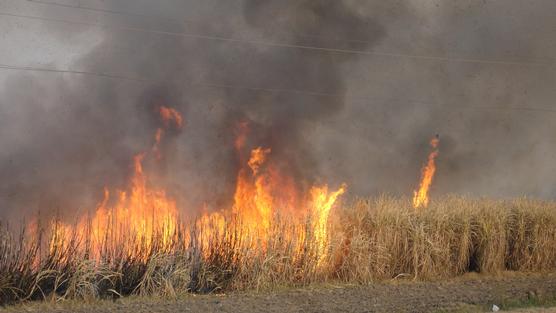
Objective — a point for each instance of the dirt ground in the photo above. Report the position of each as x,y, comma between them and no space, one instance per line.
540,310
396,296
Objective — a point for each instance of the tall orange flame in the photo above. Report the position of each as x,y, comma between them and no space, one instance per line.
421,196
142,213
262,193
322,202
253,200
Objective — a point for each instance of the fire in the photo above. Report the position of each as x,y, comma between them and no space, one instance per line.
141,213
421,196
322,202
157,139
210,227
258,158
253,200
169,116
263,193
143,216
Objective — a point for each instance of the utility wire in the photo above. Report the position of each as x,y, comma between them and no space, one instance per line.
35,69
278,44
173,20
269,90
209,85
123,13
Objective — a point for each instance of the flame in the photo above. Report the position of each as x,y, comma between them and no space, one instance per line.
157,139
253,200
322,202
264,193
142,212
145,213
169,116
142,215
421,196
210,227
258,158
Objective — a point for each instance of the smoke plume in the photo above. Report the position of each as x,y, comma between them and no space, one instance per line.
464,71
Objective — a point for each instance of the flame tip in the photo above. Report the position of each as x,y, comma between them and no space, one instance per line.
421,196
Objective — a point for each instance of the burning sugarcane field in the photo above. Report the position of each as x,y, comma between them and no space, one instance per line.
277,156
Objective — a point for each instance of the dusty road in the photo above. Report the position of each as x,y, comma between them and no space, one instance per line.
383,297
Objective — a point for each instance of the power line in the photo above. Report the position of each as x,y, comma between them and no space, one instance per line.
173,20
270,90
124,13
512,108
209,85
179,21
277,44
35,69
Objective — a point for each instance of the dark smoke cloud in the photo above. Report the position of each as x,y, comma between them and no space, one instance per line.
85,132
65,137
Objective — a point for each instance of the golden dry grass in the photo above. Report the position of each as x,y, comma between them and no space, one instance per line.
370,239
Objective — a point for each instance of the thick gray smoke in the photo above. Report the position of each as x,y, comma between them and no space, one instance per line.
65,137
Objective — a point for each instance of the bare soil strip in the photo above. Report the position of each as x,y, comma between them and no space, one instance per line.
380,297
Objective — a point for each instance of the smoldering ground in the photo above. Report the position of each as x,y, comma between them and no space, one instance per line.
361,119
